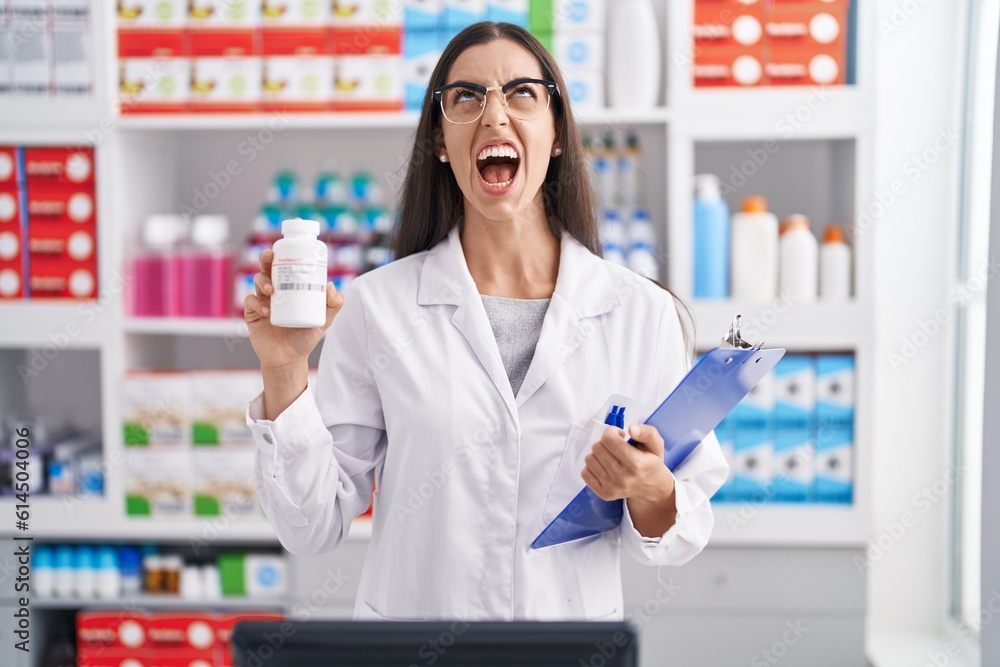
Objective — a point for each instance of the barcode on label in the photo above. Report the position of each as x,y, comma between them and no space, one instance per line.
300,287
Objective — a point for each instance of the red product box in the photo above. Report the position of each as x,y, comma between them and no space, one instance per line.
297,73
111,629
181,658
60,203
159,43
729,66
11,171
808,25
224,629
64,240
795,67
52,277
110,657
69,166
191,631
728,23
225,70
365,42
154,71
12,255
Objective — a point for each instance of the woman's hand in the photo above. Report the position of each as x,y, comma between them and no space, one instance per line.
281,347
616,470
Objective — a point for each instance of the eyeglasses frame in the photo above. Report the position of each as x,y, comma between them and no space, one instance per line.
438,94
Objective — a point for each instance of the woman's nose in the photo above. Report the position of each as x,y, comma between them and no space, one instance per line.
495,113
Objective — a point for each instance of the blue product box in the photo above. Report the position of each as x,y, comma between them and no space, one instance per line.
461,13
423,14
794,393
794,466
420,55
834,393
509,11
753,466
834,468
580,14
756,411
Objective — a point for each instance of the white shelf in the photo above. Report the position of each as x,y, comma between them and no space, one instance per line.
159,602
180,326
771,525
807,327
60,322
779,113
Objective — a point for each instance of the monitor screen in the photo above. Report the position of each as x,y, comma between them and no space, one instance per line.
433,644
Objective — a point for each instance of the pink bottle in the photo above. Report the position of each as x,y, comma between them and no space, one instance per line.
207,267
154,286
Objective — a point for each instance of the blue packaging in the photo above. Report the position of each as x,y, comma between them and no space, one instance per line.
421,53
753,459
711,239
834,467
424,15
459,14
509,11
794,393
834,393
794,466
756,411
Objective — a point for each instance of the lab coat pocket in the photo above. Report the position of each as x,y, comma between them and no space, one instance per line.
568,482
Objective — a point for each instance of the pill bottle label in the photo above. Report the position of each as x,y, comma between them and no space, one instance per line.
299,277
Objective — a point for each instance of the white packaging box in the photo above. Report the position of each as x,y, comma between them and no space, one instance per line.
152,13
420,56
794,467
423,14
585,88
579,49
6,62
753,466
224,13
225,80
72,49
296,12
218,406
154,81
377,13
834,482
298,79
266,575
224,482
156,409
580,15
363,80
30,48
158,481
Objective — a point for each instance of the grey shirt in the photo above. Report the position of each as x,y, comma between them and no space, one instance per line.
516,324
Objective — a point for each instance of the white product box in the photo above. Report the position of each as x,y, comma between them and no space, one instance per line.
156,82
298,79
834,468
223,81
423,14
224,13
509,11
834,393
585,88
794,466
30,48
296,12
156,409
266,575
152,13
224,482
753,461
218,406
580,14
379,13
795,393
460,13
420,56
368,82
578,49
158,481
72,49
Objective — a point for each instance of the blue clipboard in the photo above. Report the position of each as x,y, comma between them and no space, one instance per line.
693,409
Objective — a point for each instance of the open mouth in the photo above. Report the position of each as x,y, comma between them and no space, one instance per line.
498,166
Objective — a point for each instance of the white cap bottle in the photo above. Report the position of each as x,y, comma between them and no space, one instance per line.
834,265
799,258
754,246
298,275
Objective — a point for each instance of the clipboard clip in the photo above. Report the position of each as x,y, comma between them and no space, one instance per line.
735,340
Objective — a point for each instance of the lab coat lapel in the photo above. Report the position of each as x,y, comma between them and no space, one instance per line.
445,279
584,290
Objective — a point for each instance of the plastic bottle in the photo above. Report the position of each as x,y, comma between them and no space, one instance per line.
754,259
109,576
711,239
42,573
331,188
211,584
154,268
64,576
799,260
130,562
192,586
299,274
84,575
208,269
633,55
605,171
285,187
630,173
834,265
642,256
613,238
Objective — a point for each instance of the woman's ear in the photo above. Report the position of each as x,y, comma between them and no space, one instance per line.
440,152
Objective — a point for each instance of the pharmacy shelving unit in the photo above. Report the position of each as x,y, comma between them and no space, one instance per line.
153,164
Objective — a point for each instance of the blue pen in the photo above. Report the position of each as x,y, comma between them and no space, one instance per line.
612,418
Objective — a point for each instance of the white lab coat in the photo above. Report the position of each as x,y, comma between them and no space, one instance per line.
412,393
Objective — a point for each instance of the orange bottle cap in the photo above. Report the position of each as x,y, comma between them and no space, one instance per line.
797,221
834,233
754,204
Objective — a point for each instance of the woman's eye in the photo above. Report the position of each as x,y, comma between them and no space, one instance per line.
465,95
522,91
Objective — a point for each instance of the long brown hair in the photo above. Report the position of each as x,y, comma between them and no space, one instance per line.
431,202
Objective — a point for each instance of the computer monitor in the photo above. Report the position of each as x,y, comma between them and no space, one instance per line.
434,644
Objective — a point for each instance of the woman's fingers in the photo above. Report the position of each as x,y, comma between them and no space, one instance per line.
254,309
262,285
266,258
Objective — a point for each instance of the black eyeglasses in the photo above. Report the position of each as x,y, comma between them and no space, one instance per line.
525,99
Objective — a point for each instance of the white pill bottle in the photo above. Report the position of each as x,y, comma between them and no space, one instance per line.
298,275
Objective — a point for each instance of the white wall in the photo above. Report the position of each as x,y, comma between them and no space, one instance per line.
920,50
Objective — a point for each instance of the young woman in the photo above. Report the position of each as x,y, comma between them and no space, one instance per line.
461,377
